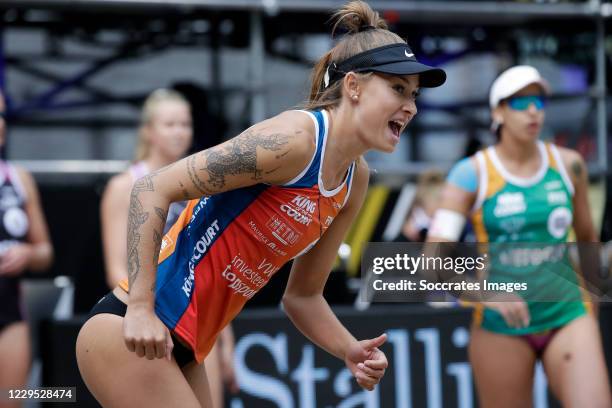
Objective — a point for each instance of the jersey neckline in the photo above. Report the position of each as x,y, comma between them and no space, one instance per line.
322,189
517,180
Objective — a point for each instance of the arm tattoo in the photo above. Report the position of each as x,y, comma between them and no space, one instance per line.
577,169
163,215
157,236
157,240
137,216
237,157
273,170
185,192
193,175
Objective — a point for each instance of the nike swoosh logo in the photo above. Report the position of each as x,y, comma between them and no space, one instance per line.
408,55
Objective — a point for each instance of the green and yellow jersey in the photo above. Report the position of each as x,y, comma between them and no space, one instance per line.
525,221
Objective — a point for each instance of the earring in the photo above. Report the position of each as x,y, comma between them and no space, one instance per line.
355,97
495,125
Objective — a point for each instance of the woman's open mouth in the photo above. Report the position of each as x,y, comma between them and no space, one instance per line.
396,127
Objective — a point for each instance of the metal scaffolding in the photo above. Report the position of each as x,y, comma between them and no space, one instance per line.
441,12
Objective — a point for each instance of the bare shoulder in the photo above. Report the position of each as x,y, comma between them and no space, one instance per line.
119,185
273,151
574,163
293,135
568,155
26,179
24,175
299,128
294,119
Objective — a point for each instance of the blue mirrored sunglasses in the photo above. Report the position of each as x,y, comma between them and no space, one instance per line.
2,115
521,103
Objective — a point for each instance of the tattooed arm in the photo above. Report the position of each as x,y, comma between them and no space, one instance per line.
583,222
589,267
273,151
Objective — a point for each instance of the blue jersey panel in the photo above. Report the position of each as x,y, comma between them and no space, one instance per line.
175,275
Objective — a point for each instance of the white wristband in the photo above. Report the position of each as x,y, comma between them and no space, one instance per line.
447,224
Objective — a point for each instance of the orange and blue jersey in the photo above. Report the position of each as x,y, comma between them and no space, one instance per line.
226,247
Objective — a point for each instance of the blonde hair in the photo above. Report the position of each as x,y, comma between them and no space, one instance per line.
429,184
143,146
353,16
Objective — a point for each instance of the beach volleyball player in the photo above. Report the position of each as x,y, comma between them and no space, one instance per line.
286,188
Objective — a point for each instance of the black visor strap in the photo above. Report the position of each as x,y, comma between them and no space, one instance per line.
368,61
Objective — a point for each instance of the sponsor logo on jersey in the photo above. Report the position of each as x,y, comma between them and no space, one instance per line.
257,233
282,231
166,242
305,203
300,209
200,248
245,280
272,246
512,225
556,197
296,215
559,220
328,220
523,257
257,276
510,204
198,208
236,284
15,222
553,185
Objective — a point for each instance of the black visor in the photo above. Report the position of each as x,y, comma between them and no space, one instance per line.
393,59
